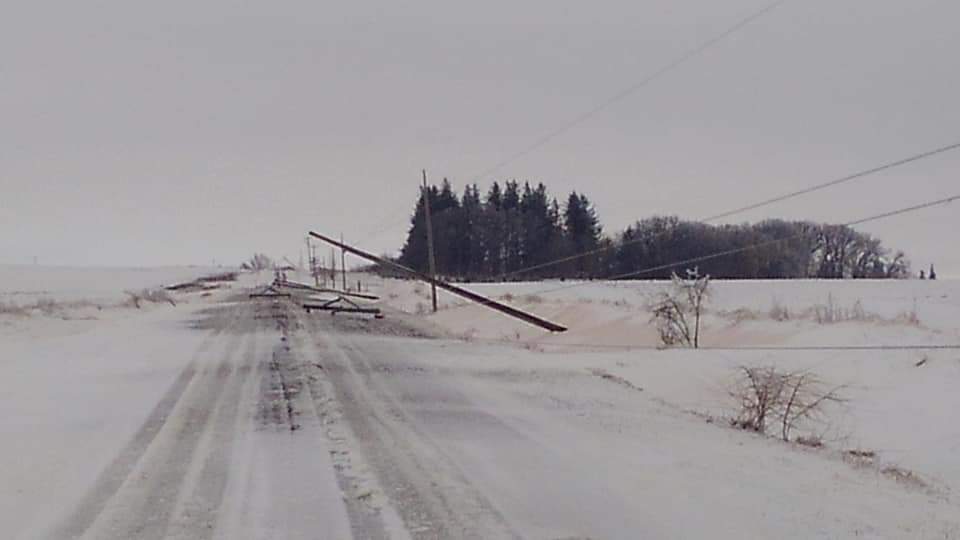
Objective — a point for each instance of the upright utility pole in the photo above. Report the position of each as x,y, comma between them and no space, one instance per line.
430,253
312,261
343,264
333,268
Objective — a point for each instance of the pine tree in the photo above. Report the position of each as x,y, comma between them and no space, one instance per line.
512,253
493,226
583,232
414,252
469,235
537,227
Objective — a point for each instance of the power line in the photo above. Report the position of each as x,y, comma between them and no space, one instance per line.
838,181
619,96
753,206
717,255
626,92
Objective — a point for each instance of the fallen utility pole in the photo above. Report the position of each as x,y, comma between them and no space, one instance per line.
341,305
305,287
469,295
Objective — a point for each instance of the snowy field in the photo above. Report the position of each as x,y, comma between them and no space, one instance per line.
22,284
901,404
81,381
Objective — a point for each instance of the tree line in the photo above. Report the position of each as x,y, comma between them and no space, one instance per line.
513,231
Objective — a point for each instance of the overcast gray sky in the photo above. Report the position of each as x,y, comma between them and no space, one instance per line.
181,132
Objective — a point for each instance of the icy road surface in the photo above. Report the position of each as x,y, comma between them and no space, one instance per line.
254,420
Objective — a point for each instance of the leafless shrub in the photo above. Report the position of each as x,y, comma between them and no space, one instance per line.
813,441
507,297
469,335
533,299
830,313
908,317
257,262
740,315
13,309
779,312
770,399
860,454
421,308
903,476
677,312
156,296
46,306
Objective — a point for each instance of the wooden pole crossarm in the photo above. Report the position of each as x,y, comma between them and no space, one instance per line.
302,286
469,295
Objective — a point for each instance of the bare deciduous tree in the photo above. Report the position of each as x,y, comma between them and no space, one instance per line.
679,310
258,262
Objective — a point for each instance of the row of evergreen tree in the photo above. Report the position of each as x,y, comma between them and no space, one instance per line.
518,231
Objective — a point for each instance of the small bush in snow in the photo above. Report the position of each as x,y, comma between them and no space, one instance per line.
769,399
257,263
831,313
908,317
677,311
46,306
903,476
13,309
779,312
813,441
156,296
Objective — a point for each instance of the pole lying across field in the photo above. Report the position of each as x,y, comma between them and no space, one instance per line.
469,295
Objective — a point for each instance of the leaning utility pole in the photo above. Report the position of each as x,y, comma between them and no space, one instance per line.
469,295
430,253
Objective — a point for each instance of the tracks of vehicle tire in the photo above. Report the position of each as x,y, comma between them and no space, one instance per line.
432,494
168,481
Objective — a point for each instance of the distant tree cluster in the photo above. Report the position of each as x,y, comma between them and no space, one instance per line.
513,229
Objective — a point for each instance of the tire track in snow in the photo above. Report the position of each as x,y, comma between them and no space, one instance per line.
112,478
434,497
203,488
147,482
